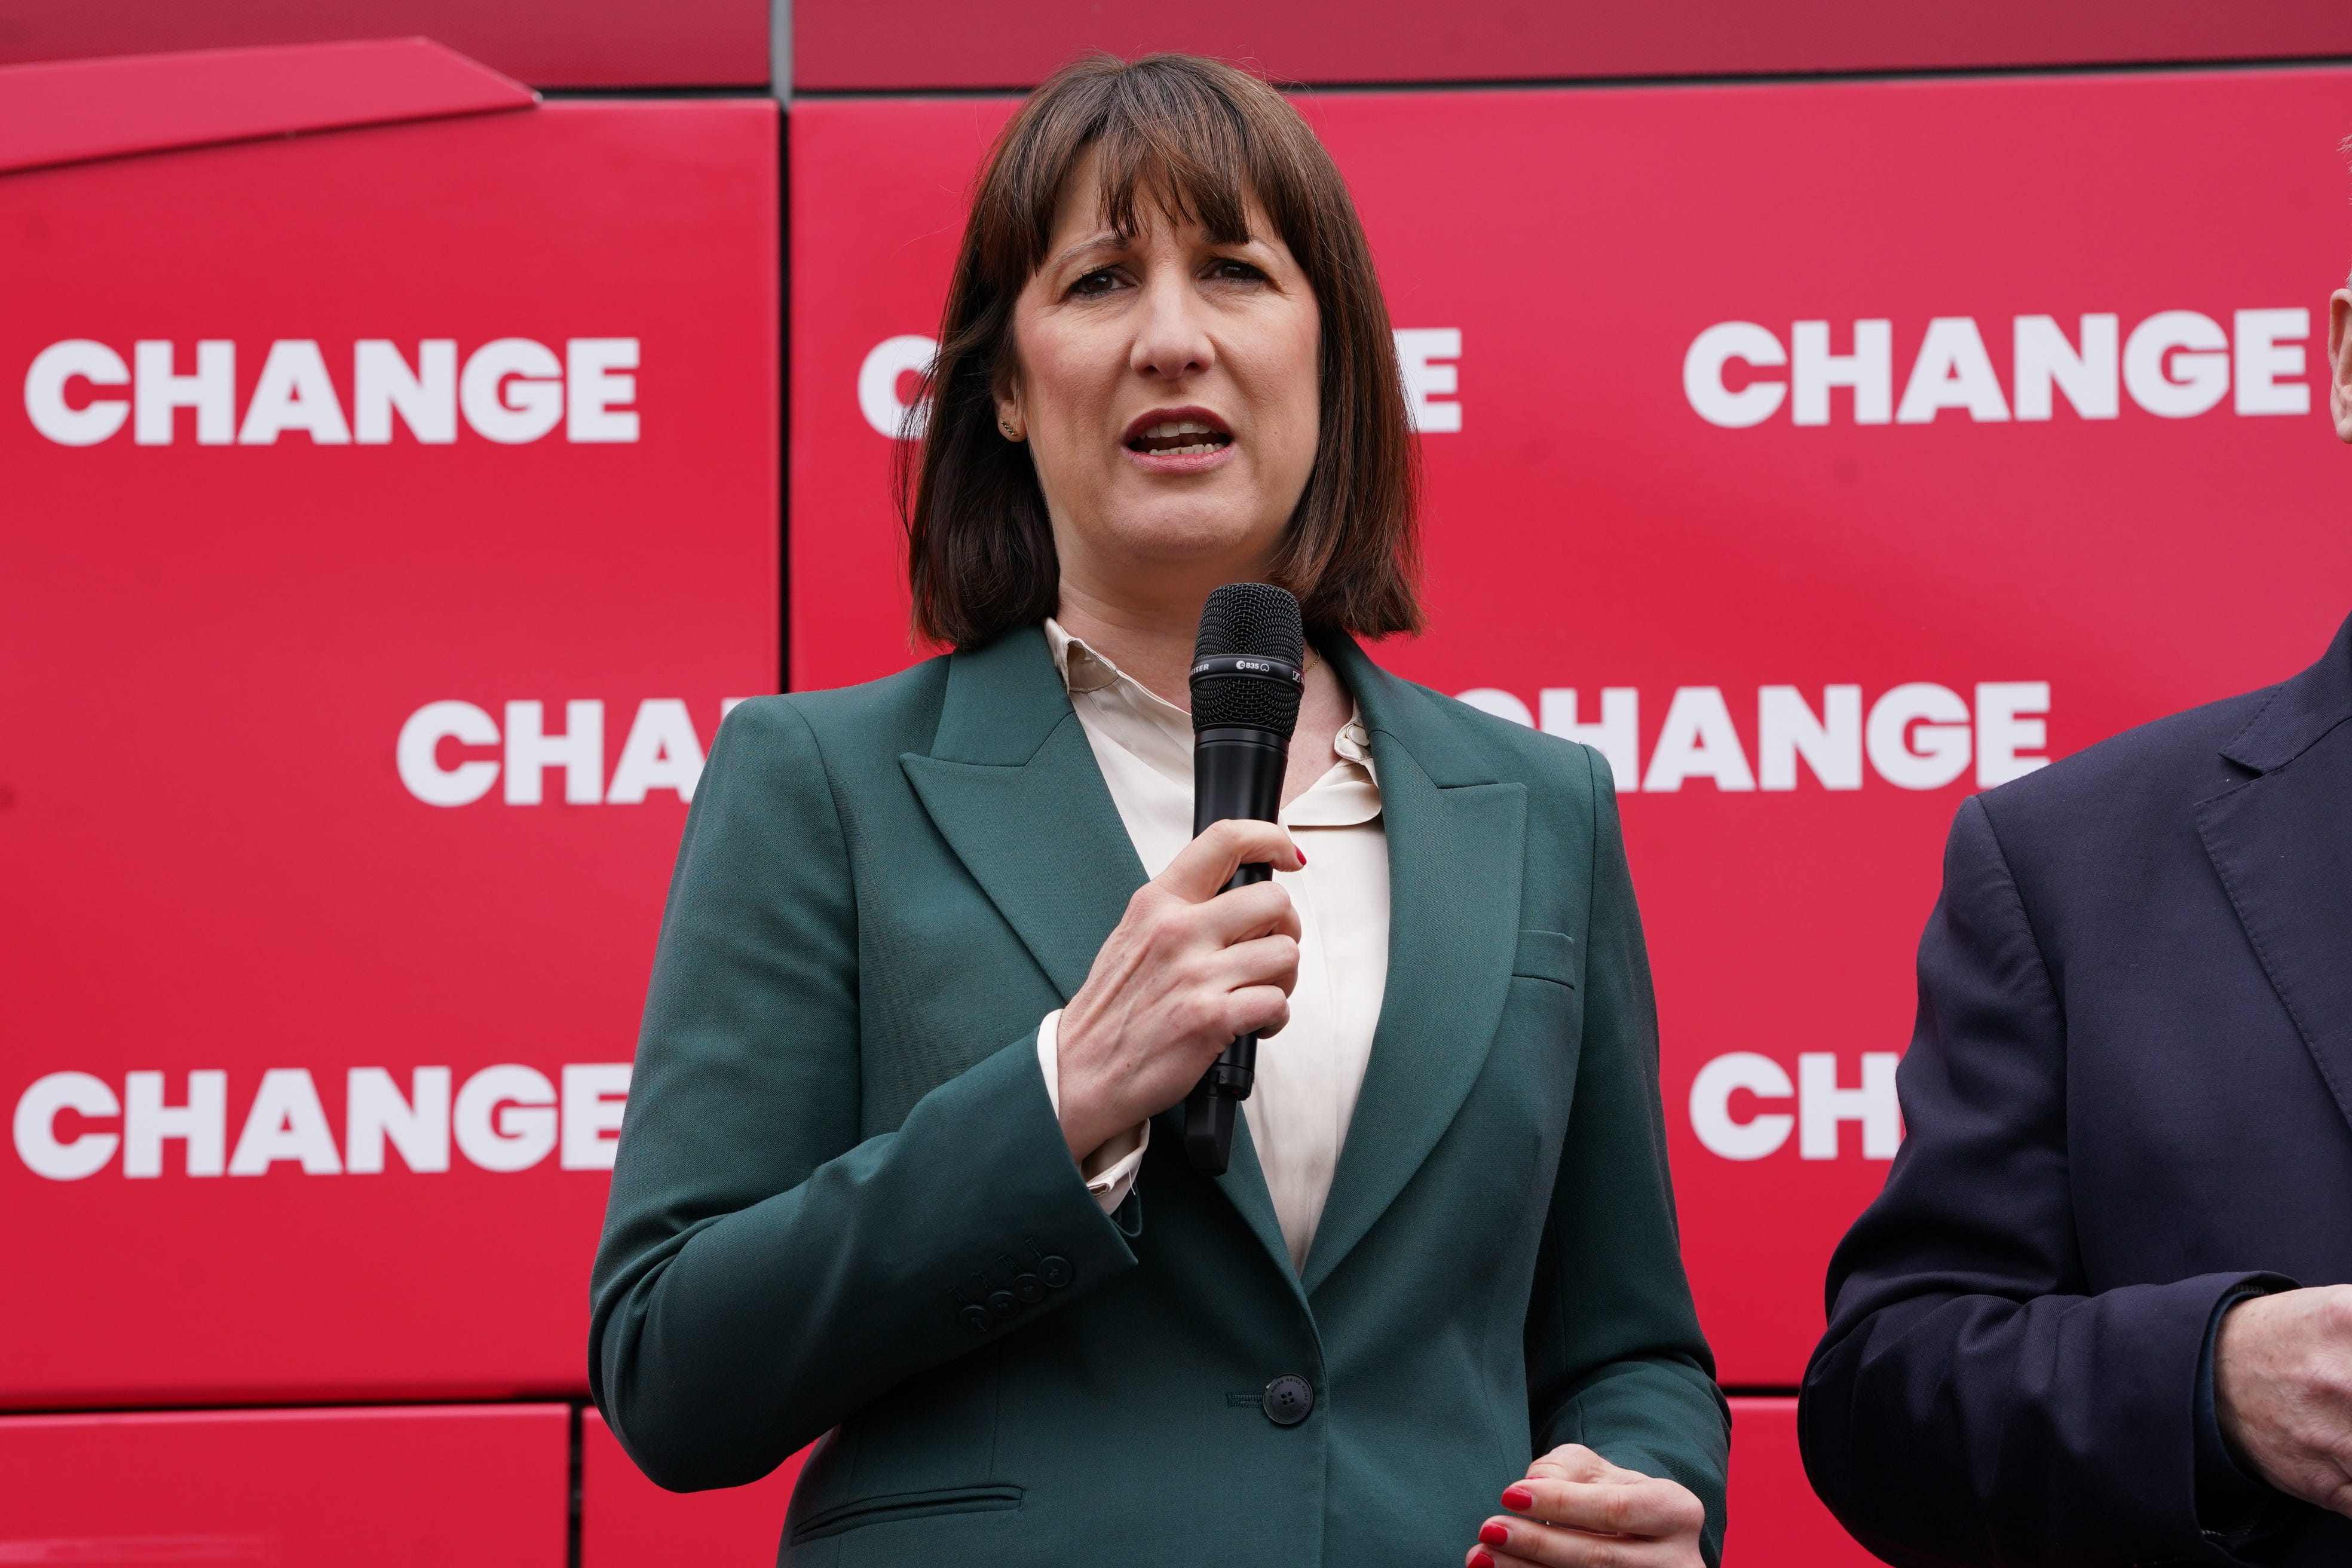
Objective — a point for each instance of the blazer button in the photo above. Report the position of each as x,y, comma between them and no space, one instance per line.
1054,1271
1288,1400
974,1318
1001,1303
1029,1288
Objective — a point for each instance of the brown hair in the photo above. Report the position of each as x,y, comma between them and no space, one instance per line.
1199,140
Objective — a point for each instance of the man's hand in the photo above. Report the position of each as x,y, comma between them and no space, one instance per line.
1576,1510
2282,1391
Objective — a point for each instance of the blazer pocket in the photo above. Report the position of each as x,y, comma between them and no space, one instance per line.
891,1506
1545,955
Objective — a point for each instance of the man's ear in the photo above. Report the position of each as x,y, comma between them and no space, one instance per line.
2339,362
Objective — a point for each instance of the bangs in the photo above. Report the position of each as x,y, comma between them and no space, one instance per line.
1189,160
1168,144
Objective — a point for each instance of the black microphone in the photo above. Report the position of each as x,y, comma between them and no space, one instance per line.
1248,674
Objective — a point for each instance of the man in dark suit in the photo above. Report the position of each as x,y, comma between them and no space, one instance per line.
2098,1315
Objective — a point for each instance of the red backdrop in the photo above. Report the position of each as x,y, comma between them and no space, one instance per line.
1840,447
547,43
217,624
1917,559
897,45
460,1486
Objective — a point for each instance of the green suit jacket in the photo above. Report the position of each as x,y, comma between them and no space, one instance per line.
843,1206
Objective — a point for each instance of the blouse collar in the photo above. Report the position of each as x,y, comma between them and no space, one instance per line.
1160,733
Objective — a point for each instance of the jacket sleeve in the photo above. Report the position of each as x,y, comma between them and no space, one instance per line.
1615,1358
765,1271
1972,1400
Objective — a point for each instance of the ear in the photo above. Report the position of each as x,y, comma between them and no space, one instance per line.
1011,421
2339,362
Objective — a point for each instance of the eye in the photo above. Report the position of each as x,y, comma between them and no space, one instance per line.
1101,280
1233,270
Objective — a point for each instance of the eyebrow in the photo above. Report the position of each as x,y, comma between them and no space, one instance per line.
1107,238
1110,240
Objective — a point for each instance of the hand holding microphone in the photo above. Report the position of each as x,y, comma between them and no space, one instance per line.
1208,952
1190,967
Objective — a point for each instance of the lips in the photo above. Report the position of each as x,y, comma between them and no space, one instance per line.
1178,433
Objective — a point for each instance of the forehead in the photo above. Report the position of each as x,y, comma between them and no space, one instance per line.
1125,192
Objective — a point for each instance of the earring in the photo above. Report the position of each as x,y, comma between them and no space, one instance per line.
1010,432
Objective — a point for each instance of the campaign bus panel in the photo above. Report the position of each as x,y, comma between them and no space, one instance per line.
1819,453
382,559
457,1486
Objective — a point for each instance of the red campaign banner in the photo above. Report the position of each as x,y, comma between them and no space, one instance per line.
1821,453
391,515
1776,1522
456,1486
627,1522
899,46
547,43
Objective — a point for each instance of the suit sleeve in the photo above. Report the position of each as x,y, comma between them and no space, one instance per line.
1615,1358
766,1270
1972,1401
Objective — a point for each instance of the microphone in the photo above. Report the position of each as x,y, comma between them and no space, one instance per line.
1248,674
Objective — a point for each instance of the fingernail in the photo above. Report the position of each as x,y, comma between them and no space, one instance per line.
1480,1560
1493,1535
1302,857
1518,1497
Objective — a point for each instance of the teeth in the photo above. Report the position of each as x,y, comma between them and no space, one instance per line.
1180,438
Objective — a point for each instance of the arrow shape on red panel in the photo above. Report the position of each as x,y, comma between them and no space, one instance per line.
75,111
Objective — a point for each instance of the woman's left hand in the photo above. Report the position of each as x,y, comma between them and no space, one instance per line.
1576,1510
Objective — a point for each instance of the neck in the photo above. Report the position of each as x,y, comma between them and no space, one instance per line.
1152,640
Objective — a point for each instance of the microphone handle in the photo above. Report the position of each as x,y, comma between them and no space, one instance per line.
1236,772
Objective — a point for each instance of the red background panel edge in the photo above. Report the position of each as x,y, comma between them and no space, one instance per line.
914,45
79,110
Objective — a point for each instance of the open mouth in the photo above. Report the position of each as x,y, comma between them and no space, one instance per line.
1179,439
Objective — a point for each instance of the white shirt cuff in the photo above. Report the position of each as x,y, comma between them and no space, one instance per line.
1110,1170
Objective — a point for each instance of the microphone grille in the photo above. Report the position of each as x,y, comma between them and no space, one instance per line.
1252,620
1249,620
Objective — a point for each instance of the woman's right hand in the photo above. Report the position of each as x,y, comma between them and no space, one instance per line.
1187,969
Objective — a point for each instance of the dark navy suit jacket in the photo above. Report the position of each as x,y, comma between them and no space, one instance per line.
2129,1097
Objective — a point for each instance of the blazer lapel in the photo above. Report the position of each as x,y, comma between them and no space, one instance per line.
1456,841
1244,1184
1012,786
2283,845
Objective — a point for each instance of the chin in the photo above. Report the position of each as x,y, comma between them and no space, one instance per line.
1189,534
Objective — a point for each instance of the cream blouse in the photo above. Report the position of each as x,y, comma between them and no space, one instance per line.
1309,1075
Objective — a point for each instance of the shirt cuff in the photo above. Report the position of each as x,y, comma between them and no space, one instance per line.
2229,1502
1110,1170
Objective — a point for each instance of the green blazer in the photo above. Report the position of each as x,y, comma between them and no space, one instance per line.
843,1207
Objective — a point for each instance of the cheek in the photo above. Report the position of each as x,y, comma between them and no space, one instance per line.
1064,376
1291,378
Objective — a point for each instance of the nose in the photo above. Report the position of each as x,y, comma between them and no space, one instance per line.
1172,339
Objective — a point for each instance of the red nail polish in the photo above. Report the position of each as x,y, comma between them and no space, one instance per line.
1518,1497
1493,1535
1480,1560
1302,857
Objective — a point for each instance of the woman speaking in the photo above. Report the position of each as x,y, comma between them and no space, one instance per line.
904,1163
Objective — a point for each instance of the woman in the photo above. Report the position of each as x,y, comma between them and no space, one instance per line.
903,1162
